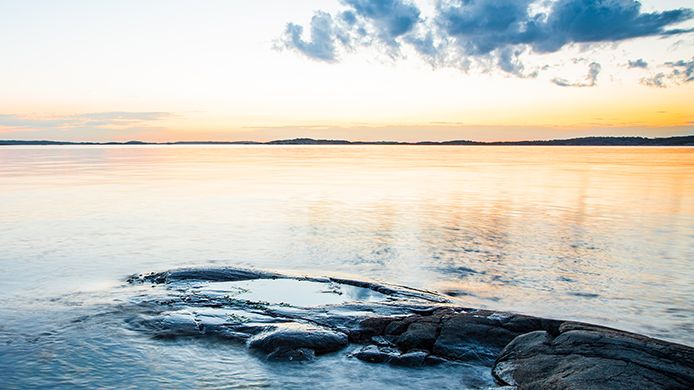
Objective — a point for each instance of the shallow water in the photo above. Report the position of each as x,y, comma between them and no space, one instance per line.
603,235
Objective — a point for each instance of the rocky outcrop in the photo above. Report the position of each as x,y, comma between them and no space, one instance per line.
387,324
590,357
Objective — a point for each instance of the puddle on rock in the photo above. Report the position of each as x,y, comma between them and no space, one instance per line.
291,292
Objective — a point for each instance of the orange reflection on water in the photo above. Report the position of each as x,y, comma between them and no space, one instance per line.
598,234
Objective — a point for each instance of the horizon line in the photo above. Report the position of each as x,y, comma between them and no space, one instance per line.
685,140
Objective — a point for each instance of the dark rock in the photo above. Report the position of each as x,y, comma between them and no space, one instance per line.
472,337
397,291
433,360
295,336
288,354
368,328
419,335
217,274
592,357
374,354
398,327
410,359
223,274
381,341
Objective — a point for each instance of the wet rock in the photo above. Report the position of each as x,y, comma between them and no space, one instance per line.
592,357
480,335
292,354
410,359
406,328
398,327
433,360
368,328
419,335
293,336
224,274
395,291
375,354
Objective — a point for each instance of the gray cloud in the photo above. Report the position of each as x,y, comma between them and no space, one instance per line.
93,121
591,79
679,72
657,80
493,33
638,63
682,69
321,47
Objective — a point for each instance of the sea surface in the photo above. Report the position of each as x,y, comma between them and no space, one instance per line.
597,234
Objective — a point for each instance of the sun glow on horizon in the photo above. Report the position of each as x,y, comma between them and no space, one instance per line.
172,70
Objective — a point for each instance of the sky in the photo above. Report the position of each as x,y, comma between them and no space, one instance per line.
170,70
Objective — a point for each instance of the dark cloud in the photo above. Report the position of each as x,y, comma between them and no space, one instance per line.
589,21
490,27
389,18
638,63
591,79
494,33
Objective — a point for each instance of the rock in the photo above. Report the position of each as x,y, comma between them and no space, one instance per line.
419,335
410,359
433,360
374,354
398,327
368,328
479,335
408,329
217,274
293,336
592,357
288,354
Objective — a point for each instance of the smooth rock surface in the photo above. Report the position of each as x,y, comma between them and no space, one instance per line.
591,357
288,337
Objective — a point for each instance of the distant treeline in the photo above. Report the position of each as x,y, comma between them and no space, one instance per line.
687,140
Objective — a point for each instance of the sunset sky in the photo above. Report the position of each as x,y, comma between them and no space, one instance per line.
165,70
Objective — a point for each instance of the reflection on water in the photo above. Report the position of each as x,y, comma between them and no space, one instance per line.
603,235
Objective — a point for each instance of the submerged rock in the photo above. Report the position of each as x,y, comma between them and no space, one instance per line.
400,326
223,274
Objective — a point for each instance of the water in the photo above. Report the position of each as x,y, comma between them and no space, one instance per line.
604,235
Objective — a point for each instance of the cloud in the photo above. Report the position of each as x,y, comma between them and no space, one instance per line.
679,72
590,81
389,18
321,47
113,120
682,70
490,33
638,63
657,80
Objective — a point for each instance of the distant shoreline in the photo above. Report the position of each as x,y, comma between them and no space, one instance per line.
687,140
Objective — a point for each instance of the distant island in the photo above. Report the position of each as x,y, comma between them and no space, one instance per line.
687,140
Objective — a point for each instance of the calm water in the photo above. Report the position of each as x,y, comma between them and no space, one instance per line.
604,235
